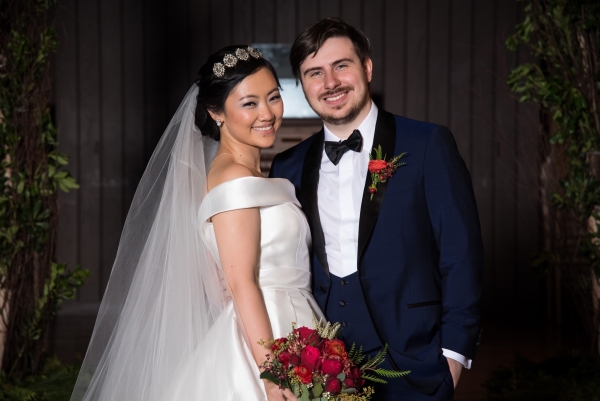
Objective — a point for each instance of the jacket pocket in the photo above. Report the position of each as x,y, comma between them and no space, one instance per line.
420,304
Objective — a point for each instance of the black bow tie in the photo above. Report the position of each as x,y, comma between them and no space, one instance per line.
335,150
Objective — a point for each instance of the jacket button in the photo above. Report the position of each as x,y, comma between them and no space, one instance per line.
344,324
342,303
342,282
323,288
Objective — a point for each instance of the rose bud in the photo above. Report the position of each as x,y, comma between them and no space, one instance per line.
349,383
309,335
333,385
354,373
284,357
372,190
310,357
332,367
294,360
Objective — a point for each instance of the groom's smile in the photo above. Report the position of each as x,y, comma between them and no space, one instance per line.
336,84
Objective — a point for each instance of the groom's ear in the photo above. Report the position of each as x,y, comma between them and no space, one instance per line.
368,66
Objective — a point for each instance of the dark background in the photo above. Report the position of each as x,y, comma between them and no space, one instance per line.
124,66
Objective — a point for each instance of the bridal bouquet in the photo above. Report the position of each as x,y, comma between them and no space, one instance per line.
316,366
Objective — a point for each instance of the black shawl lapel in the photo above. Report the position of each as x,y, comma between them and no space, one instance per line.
310,184
385,135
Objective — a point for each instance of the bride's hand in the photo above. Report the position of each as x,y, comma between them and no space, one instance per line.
274,393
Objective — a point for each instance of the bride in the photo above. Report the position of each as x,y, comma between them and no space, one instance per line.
213,257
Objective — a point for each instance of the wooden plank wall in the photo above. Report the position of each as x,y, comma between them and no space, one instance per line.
124,66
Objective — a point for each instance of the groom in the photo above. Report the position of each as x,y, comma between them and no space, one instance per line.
405,267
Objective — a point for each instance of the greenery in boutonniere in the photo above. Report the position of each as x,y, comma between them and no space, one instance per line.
382,169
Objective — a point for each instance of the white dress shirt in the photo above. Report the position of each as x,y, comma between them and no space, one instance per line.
339,197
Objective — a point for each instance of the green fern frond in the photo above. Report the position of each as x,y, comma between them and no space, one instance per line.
377,359
352,351
391,373
374,379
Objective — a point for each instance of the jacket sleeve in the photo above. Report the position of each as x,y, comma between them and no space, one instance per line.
455,224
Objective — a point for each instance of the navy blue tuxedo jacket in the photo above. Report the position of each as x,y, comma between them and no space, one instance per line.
420,259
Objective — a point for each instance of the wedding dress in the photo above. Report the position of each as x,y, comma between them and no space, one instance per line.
166,331
222,367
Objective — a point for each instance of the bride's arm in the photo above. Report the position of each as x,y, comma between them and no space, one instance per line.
238,239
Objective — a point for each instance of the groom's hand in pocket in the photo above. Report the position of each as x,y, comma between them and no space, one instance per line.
455,370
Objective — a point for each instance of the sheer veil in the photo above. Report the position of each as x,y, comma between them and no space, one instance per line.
164,293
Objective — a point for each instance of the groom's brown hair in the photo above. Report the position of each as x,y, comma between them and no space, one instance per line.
313,37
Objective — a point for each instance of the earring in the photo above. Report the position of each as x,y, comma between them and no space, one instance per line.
219,123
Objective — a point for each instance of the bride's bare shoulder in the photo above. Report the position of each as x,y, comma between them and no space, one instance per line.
226,170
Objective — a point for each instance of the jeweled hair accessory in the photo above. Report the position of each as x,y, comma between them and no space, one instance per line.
231,60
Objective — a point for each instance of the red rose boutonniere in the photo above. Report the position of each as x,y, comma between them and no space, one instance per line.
382,169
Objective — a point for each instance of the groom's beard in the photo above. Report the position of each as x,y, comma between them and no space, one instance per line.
351,113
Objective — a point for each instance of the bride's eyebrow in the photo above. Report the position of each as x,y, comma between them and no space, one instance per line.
256,96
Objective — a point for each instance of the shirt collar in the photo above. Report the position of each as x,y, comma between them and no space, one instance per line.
366,128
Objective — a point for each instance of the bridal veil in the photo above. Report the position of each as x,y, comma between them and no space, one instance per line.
164,293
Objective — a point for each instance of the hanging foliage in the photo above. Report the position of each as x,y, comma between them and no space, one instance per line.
564,81
32,285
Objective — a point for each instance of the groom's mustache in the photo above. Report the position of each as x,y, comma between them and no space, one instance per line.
337,91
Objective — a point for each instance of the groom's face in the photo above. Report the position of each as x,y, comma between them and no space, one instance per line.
336,83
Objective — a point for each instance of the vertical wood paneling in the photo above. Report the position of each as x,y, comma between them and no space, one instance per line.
483,112
242,20
350,11
178,56
504,163
329,8
134,90
416,54
220,25
111,58
530,287
124,66
394,66
90,145
461,78
438,62
155,73
264,21
373,28
199,43
67,119
286,21
308,13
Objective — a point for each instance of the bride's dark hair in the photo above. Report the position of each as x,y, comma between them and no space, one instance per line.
213,90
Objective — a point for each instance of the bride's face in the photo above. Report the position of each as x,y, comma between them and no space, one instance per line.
253,111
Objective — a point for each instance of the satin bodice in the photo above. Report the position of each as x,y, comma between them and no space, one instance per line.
284,235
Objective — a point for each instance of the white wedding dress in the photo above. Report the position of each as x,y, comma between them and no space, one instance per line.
222,367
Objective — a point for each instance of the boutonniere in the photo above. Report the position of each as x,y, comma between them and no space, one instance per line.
382,169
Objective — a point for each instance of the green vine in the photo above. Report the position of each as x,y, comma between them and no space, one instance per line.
564,81
32,285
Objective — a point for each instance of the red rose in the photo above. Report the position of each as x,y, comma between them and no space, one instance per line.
277,344
284,357
304,374
308,335
336,348
333,385
377,165
349,383
332,367
354,373
294,360
310,356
